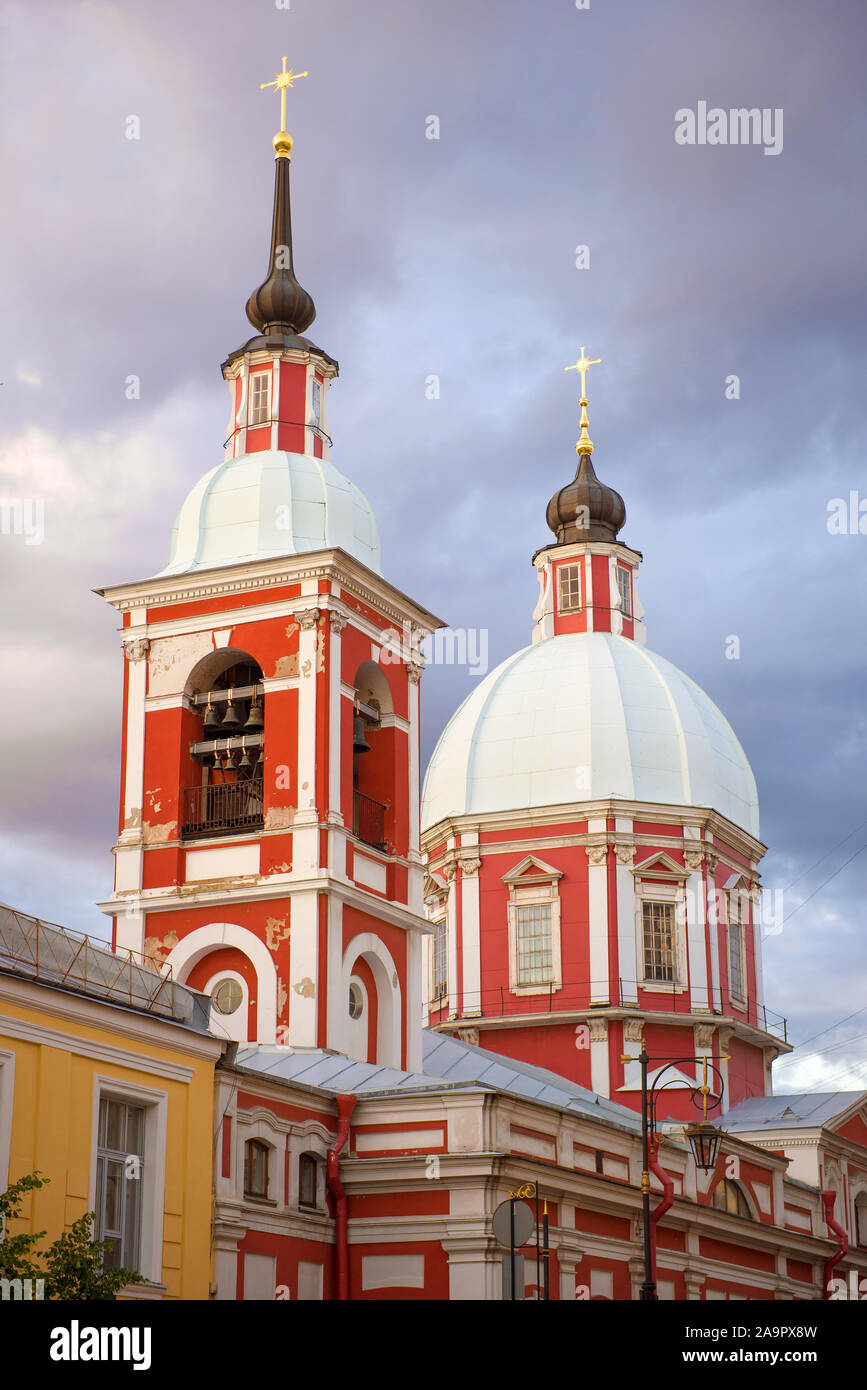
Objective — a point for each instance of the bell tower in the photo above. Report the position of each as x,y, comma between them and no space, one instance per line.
268,837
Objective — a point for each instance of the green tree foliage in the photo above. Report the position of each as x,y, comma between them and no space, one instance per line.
72,1266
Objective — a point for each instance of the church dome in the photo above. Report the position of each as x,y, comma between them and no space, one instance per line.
583,716
263,505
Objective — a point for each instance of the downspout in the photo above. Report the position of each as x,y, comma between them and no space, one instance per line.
345,1107
662,1207
828,1200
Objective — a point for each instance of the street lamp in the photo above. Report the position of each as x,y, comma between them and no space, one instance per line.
704,1138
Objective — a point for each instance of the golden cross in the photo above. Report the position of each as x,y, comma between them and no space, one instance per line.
581,366
283,80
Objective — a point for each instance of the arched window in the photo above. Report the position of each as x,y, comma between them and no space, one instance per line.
256,1162
308,1181
729,1196
224,795
373,758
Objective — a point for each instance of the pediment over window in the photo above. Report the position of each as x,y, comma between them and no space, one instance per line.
737,881
532,870
660,866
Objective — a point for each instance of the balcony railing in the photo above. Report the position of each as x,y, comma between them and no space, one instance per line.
368,820
222,809
590,996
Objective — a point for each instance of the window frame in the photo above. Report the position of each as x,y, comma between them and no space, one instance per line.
254,403
153,1179
735,918
316,403
532,883
650,889
106,1158
308,1161
570,575
255,1142
439,987
624,593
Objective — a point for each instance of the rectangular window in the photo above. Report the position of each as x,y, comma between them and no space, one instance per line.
440,960
659,942
260,399
316,401
119,1181
569,580
624,589
736,959
535,956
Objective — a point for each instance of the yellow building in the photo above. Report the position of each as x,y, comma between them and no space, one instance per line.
106,1087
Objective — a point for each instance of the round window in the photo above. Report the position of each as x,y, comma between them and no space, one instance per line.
356,1000
227,996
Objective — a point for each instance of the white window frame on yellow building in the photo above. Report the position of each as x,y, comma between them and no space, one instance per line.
153,1178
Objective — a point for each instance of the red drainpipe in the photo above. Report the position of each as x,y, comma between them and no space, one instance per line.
662,1207
345,1107
828,1200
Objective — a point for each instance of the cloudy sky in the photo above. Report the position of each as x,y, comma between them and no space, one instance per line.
457,257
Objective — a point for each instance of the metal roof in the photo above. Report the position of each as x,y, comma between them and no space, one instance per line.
807,1110
449,1065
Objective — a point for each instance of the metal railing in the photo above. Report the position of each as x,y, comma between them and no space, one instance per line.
368,820
58,956
646,995
222,809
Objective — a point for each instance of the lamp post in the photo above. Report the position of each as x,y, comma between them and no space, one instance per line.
704,1138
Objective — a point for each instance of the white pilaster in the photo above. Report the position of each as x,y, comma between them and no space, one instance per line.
600,1072
470,931
304,979
597,881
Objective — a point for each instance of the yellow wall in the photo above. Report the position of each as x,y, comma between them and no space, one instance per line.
52,1120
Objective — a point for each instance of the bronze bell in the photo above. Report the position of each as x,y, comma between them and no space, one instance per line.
231,719
359,742
255,719
212,719
246,760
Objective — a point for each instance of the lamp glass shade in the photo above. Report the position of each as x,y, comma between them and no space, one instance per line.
704,1140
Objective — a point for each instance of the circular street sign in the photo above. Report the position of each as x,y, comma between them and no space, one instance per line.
525,1222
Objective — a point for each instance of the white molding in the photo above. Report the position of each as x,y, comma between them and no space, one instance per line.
389,1001
202,940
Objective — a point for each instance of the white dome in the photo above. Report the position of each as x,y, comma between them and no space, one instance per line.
260,506
584,716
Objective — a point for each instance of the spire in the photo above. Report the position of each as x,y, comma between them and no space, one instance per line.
586,509
280,304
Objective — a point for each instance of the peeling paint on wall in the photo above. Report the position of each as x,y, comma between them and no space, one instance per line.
278,817
320,649
286,665
156,948
158,834
305,988
276,930
282,996
133,820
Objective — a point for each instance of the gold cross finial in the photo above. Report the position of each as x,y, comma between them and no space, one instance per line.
585,443
282,81
581,367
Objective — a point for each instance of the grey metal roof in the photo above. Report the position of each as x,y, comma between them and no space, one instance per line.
449,1065
807,1110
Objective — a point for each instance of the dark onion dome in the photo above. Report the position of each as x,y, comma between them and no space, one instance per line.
280,305
605,511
